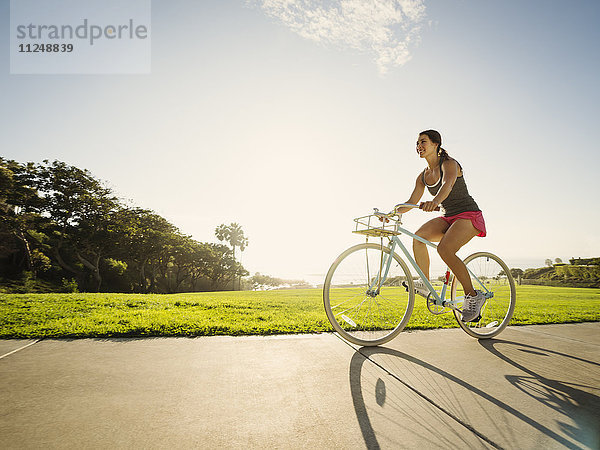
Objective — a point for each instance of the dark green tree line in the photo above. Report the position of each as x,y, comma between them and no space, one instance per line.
59,223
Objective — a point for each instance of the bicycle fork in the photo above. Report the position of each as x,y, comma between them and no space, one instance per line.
384,267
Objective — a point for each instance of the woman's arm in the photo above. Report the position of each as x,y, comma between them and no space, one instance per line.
415,196
450,174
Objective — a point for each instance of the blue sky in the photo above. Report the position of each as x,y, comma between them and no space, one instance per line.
292,130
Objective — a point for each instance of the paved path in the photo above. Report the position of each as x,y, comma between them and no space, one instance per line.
533,387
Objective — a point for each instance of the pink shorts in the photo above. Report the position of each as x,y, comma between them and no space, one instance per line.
476,218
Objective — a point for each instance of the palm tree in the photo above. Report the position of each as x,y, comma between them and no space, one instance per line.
234,235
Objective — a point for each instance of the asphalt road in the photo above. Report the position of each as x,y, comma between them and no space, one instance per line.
532,387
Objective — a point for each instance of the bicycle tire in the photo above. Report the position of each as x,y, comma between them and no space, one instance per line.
498,310
354,296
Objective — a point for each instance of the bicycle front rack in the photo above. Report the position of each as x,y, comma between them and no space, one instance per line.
371,226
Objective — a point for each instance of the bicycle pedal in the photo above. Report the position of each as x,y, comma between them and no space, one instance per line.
476,319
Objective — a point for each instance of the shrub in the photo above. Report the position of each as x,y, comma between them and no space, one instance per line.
579,272
537,273
69,286
585,261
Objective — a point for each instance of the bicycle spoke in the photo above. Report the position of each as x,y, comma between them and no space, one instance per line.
350,309
384,316
346,301
360,313
490,273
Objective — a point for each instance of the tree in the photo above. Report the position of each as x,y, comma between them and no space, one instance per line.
83,210
234,235
218,264
20,207
548,262
558,261
514,272
57,221
146,242
260,281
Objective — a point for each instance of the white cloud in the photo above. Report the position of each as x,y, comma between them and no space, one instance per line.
383,28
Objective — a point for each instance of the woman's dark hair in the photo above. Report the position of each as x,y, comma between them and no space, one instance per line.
435,137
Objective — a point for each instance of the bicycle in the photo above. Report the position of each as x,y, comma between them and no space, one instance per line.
369,292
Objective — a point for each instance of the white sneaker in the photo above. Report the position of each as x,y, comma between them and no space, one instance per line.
420,288
472,306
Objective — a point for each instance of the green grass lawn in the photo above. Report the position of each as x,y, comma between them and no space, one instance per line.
241,313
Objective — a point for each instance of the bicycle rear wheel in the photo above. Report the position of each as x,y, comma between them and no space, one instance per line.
491,275
361,309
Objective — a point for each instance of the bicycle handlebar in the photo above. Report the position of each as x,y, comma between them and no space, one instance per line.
410,205
399,205
406,205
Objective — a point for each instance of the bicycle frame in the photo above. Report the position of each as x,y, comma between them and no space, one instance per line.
386,260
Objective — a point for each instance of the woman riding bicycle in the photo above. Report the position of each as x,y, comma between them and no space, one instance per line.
462,220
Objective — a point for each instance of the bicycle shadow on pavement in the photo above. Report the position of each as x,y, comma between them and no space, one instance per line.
566,384
435,408
392,415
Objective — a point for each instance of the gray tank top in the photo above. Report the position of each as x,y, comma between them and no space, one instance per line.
459,200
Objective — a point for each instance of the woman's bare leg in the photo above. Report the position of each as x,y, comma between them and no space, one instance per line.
459,233
433,231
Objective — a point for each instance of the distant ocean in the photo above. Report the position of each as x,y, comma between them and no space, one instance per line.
437,269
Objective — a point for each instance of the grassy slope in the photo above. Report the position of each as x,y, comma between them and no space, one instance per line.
240,313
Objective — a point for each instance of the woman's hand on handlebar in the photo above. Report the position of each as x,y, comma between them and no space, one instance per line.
429,206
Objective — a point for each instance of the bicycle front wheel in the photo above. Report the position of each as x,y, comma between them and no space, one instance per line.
364,304
491,275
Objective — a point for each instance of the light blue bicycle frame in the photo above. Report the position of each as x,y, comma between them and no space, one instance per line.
438,299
